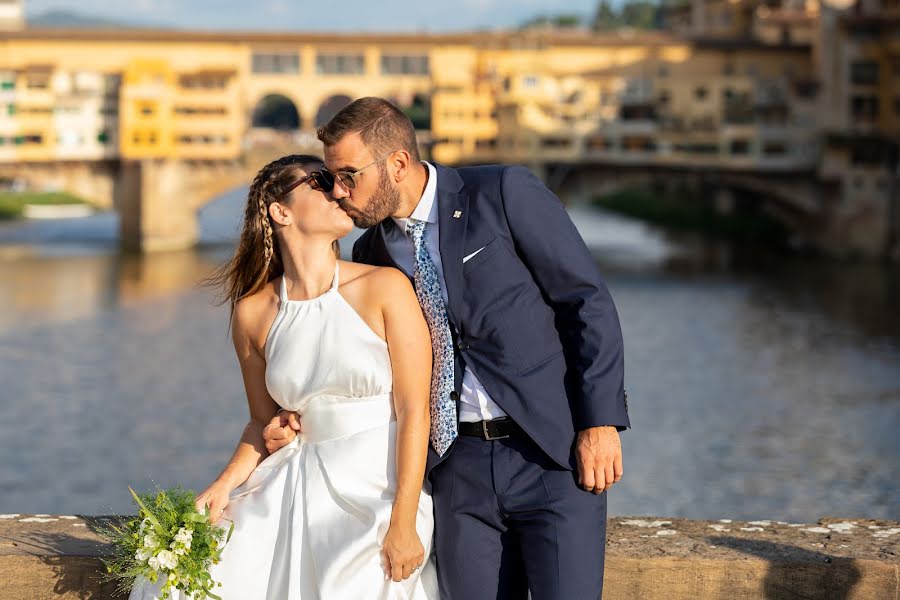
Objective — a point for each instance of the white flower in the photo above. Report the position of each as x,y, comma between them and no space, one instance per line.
143,554
167,559
184,536
151,541
154,563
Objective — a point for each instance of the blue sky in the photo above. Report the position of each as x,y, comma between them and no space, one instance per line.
321,15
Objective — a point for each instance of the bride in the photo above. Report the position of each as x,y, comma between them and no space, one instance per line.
340,512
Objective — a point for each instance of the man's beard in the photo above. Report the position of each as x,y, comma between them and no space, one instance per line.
383,203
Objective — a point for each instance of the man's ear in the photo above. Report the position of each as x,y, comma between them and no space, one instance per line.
401,161
279,213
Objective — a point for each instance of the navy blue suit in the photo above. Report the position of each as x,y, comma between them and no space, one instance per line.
533,319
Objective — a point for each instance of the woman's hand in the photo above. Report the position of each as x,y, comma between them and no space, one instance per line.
215,498
402,552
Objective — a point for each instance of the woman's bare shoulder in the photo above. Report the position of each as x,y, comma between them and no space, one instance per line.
250,312
376,280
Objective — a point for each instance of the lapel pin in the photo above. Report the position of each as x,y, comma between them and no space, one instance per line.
457,214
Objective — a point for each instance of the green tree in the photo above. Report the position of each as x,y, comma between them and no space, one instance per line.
605,18
641,14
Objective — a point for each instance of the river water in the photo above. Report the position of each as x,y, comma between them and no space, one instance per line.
759,387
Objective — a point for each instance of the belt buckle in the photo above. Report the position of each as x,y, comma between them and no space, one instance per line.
488,436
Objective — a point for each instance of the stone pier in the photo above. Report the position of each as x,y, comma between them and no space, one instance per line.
648,558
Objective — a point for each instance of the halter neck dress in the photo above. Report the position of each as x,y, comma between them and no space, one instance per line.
310,519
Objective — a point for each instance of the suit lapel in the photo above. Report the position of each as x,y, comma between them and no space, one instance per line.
453,214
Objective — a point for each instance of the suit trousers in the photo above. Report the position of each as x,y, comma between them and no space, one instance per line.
509,520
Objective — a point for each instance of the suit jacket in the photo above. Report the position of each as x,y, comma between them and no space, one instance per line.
530,313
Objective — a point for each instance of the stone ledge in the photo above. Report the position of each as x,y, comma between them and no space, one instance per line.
58,556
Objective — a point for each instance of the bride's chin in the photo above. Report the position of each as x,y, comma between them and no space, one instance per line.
344,228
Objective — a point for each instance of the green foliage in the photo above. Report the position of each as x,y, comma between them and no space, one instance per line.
561,21
12,204
685,212
168,538
637,14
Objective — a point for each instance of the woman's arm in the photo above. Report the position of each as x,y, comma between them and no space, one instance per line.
251,449
409,344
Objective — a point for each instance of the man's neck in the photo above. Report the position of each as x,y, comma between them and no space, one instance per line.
412,192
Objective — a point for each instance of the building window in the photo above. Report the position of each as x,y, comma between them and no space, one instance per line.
740,147
340,64
774,148
556,142
700,93
103,137
400,64
10,109
664,96
663,71
638,143
8,84
864,107
529,82
276,62
728,69
697,148
203,82
864,72
200,110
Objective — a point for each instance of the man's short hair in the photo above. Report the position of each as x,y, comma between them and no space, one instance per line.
382,126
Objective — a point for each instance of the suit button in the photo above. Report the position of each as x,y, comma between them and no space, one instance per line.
454,395
462,345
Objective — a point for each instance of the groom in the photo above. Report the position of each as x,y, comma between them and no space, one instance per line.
528,398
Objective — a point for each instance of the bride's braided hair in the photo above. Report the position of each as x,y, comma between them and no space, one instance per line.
257,258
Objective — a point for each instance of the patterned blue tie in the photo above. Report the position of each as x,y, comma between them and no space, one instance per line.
428,290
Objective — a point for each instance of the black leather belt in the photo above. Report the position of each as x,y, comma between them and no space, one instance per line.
495,429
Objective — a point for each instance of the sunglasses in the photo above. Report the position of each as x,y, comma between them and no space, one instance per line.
317,181
346,178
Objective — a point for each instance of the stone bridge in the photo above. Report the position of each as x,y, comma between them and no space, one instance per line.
158,200
808,205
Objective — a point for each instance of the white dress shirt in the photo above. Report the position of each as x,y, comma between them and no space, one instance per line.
475,403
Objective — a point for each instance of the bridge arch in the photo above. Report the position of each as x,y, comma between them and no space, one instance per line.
276,111
330,107
416,105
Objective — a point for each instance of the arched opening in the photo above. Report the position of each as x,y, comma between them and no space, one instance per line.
416,106
276,112
419,111
331,107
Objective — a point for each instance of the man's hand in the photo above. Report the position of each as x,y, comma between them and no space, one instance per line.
599,454
281,430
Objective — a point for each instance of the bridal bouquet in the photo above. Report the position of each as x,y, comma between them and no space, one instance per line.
168,539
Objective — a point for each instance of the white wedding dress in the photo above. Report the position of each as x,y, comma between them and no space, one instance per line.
310,519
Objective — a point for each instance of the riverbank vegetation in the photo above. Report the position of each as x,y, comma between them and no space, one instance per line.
12,204
690,212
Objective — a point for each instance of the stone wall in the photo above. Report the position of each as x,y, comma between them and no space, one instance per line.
44,556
